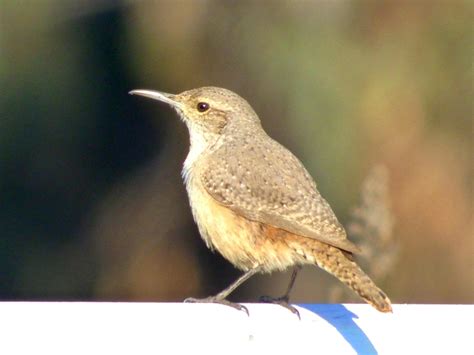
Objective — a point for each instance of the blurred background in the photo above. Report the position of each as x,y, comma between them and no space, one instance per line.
92,206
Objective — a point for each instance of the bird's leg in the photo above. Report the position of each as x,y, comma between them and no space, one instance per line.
283,300
221,296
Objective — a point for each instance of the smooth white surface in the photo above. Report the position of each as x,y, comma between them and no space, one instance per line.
178,328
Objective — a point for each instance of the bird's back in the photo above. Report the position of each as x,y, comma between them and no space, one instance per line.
260,179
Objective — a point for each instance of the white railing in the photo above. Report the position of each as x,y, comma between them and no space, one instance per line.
178,328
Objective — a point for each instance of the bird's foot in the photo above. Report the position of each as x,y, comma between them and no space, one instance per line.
282,301
214,299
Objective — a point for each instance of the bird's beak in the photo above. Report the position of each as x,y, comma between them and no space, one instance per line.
157,95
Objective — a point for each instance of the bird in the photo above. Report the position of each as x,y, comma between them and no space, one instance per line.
253,200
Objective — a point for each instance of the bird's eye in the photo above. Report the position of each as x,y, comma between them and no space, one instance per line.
202,106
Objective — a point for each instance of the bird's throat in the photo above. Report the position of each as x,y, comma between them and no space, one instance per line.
198,146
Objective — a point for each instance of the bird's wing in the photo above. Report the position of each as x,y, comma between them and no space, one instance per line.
268,184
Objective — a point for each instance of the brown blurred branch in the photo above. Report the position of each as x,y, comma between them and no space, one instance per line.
371,228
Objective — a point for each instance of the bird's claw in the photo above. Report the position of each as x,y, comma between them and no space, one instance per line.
281,301
213,299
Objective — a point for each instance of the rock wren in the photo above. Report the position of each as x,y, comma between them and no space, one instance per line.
254,202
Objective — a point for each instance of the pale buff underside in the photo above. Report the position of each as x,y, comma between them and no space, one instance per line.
245,243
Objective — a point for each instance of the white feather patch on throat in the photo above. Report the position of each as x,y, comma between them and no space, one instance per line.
198,145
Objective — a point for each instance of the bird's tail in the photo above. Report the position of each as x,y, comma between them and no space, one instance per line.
338,264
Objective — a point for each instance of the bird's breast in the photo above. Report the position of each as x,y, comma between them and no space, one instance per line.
245,243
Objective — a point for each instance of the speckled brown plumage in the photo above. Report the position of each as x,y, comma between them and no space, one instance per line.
253,200
261,180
